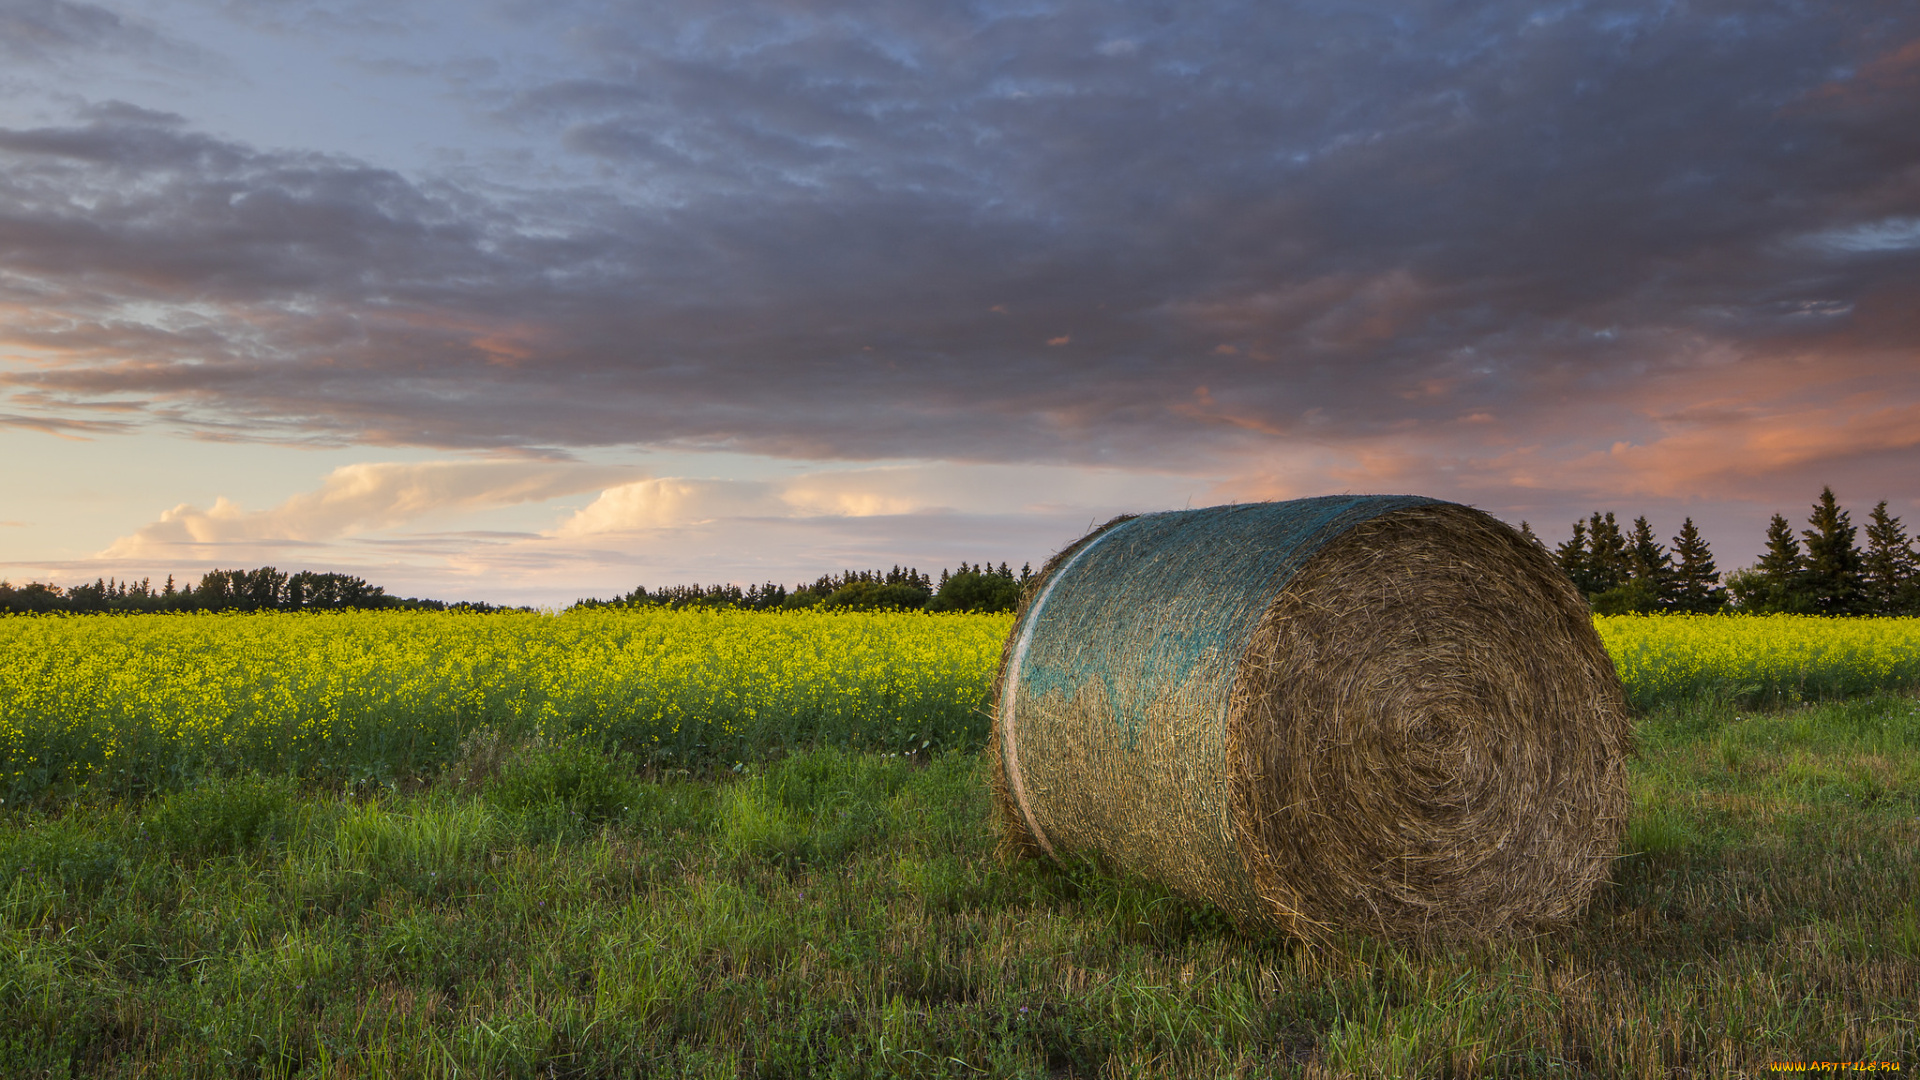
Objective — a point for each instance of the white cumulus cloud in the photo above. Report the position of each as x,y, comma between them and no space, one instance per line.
363,498
667,502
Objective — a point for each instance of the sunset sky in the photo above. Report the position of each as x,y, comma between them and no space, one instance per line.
524,302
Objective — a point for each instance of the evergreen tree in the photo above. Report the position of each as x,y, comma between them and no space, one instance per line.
1651,567
1776,583
1781,565
1696,581
977,589
1574,559
1888,568
1832,574
1608,558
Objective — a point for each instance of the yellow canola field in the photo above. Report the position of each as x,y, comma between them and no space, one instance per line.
1759,659
158,699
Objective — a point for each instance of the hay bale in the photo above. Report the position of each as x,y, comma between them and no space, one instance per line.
1354,713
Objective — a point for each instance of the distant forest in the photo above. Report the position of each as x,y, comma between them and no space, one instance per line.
1629,572
979,587
265,589
1821,570
971,588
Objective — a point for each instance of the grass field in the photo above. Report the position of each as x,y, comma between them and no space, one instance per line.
549,912
538,897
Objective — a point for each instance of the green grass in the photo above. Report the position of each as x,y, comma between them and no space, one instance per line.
553,911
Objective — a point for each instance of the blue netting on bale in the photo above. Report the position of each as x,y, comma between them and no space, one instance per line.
1196,583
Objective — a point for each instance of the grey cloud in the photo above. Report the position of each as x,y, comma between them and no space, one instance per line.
853,232
44,32
67,426
126,112
32,30
306,18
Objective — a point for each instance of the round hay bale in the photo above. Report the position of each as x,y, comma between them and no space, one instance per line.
1384,714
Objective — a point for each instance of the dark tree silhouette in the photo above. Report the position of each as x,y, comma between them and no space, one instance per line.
1650,566
1887,570
1696,581
1608,560
1575,559
1832,575
1776,583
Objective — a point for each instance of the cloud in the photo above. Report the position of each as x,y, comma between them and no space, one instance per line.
422,529
64,34
666,503
1891,234
943,490
866,493
1753,453
859,235
33,30
64,427
362,498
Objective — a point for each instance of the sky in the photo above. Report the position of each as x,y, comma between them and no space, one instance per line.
525,302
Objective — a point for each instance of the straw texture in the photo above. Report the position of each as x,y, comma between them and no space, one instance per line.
1376,713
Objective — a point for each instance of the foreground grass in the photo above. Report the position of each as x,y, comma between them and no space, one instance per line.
550,913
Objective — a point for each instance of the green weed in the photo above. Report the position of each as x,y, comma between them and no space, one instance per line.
223,815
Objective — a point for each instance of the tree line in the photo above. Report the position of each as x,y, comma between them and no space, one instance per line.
1820,571
264,589
975,587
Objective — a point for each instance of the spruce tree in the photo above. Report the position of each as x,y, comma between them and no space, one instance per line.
1573,559
1833,563
1608,559
1696,581
1651,567
1888,568
1780,572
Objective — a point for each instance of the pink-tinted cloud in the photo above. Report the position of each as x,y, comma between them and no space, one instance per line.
357,499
